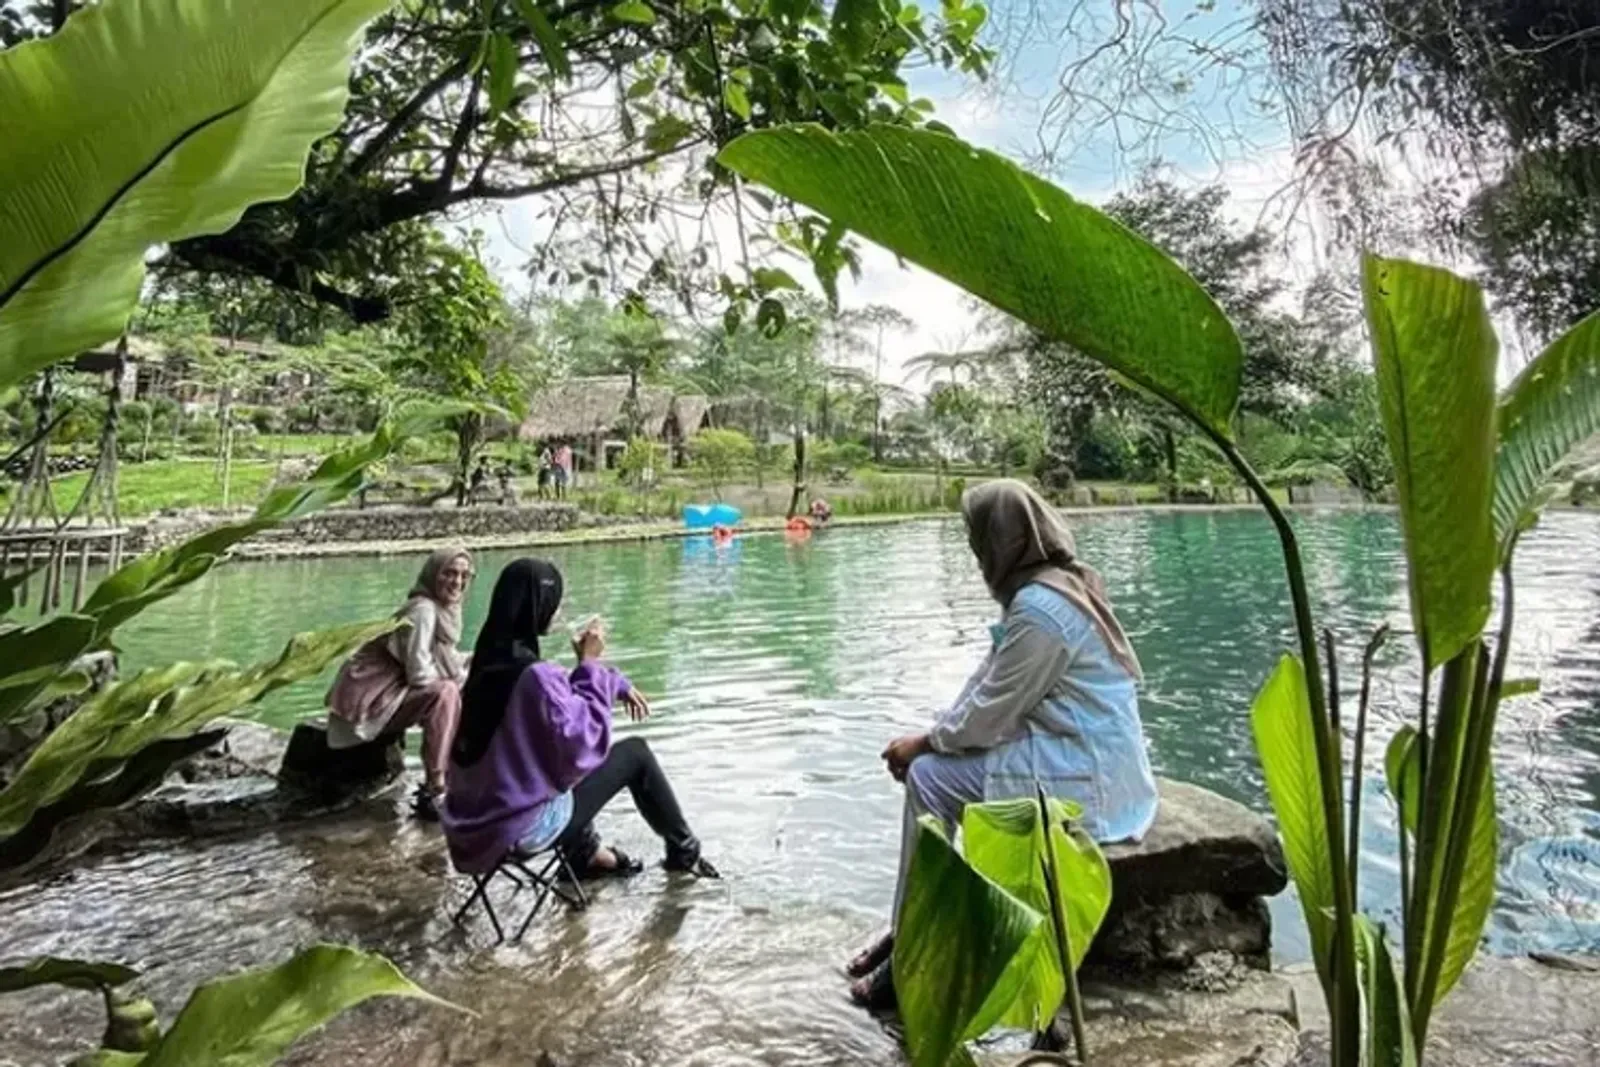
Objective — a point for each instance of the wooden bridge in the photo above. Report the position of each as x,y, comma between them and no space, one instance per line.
43,556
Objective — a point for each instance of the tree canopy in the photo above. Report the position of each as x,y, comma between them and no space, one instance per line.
602,110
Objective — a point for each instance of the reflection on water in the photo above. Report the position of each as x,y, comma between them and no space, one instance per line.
780,669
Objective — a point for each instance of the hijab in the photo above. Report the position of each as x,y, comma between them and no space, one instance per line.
447,616
1019,539
525,599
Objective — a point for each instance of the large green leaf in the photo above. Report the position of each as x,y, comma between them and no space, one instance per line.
1402,767
1004,842
54,970
158,704
1435,353
1477,891
1018,242
1286,742
252,1019
1388,1041
146,121
32,656
1551,407
963,947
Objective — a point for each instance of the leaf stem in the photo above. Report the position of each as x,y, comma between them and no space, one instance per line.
1343,1002
1379,636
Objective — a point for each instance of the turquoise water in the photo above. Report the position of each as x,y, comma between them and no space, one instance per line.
779,670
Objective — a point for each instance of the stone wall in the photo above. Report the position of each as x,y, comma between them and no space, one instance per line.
348,524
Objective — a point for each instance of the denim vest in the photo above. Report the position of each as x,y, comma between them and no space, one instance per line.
1084,741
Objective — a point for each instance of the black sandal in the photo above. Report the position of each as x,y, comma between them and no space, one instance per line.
869,959
626,867
690,862
879,995
425,805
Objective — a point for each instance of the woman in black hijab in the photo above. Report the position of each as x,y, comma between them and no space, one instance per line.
533,761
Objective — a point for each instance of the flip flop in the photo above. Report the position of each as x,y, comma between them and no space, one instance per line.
868,959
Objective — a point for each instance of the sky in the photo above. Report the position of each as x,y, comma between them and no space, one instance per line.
1202,120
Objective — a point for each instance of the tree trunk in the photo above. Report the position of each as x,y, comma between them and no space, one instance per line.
797,495
468,427
761,445
1170,446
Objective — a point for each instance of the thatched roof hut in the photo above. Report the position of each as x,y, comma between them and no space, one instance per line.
589,407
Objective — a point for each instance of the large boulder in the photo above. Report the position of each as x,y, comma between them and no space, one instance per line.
310,766
1194,885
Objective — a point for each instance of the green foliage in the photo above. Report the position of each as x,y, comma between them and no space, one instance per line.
131,146
1552,407
1436,354
76,974
1435,360
160,704
963,950
641,462
409,152
1281,721
719,456
995,230
252,1019
1004,841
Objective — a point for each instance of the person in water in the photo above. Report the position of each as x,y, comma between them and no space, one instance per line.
412,676
1055,702
534,761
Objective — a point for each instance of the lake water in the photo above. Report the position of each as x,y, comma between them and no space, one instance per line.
779,670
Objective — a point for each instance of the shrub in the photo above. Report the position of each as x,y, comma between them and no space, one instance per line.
719,455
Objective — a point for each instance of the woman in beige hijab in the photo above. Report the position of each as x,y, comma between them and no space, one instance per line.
1054,704
412,676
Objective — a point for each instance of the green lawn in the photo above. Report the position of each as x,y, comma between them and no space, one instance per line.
144,488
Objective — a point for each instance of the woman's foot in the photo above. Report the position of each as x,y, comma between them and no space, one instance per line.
868,959
690,862
608,863
425,804
876,992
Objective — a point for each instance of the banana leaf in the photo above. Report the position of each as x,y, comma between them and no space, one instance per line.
143,122
1022,244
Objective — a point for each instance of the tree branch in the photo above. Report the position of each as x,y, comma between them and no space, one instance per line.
404,118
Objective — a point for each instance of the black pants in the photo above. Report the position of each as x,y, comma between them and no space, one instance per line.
632,766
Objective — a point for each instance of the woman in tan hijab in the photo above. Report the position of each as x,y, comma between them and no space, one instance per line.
412,676
1054,704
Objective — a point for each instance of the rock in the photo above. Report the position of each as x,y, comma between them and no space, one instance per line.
1504,1011
310,766
1236,1018
1176,931
213,807
1193,886
249,749
1200,842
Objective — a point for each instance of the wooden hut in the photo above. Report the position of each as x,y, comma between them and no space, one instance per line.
591,414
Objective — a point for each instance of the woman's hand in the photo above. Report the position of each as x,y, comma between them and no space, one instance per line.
589,645
638,707
902,750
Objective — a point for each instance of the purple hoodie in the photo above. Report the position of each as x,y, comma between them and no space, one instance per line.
557,729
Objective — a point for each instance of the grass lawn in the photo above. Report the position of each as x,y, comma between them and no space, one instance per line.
143,488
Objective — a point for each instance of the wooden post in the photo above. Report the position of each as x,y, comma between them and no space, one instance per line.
27,568
116,552
58,572
81,579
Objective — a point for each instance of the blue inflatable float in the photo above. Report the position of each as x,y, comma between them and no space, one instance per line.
705,516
